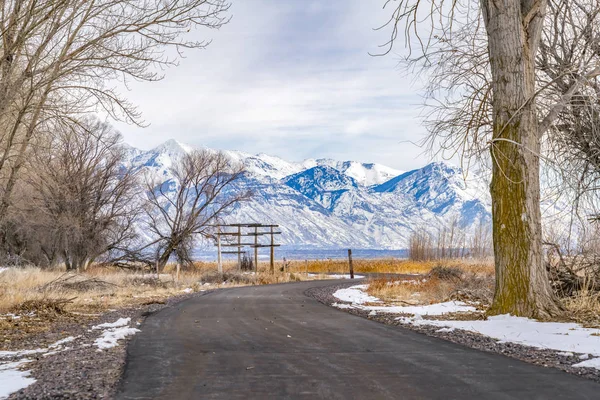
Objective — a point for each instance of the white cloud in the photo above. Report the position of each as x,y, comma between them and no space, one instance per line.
292,79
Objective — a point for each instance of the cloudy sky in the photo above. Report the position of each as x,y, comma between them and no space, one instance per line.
292,79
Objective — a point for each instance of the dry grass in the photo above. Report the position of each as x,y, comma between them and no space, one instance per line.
443,282
361,266
31,299
584,305
99,289
387,265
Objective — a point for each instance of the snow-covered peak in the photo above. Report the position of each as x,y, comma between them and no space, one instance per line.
172,147
321,178
266,167
322,184
366,174
437,186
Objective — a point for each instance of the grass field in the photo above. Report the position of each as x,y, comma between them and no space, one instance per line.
98,289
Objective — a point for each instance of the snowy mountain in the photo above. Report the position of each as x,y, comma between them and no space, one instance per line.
329,204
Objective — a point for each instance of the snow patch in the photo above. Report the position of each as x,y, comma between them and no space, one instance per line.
591,363
110,337
113,332
565,353
188,290
12,379
342,306
62,341
431,309
20,353
118,323
355,295
560,336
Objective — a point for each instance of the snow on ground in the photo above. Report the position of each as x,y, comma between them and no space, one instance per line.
2,269
117,324
355,295
566,338
20,353
432,309
62,341
113,332
188,290
12,378
110,337
591,363
560,336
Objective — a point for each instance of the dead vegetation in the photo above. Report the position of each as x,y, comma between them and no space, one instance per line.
470,282
32,299
383,265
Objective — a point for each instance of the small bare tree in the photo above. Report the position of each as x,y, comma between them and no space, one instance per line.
421,246
180,210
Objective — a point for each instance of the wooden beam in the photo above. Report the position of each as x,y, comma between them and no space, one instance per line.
219,261
239,249
272,258
256,249
350,262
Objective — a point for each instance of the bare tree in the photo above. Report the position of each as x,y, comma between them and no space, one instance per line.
60,58
420,246
488,80
180,210
480,244
82,203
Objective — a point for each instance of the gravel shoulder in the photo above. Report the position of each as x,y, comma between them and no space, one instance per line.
79,370
542,357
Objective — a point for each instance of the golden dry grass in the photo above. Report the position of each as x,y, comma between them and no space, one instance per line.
41,297
421,291
584,305
99,289
476,279
385,265
390,265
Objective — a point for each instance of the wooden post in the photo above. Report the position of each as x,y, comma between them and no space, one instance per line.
239,248
272,265
350,262
256,248
219,260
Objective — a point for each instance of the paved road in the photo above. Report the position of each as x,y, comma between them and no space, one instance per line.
273,342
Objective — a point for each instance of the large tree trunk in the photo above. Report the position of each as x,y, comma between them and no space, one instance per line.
163,259
522,285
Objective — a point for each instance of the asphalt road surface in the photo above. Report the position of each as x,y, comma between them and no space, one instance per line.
273,342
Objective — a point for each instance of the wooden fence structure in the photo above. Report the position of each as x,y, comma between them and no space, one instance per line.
233,236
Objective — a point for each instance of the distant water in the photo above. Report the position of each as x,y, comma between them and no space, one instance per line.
309,254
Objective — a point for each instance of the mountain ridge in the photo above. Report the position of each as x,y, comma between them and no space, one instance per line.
323,203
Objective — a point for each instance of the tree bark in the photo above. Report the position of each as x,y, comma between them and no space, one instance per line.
522,285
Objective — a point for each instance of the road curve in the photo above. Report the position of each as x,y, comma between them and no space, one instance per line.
273,342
